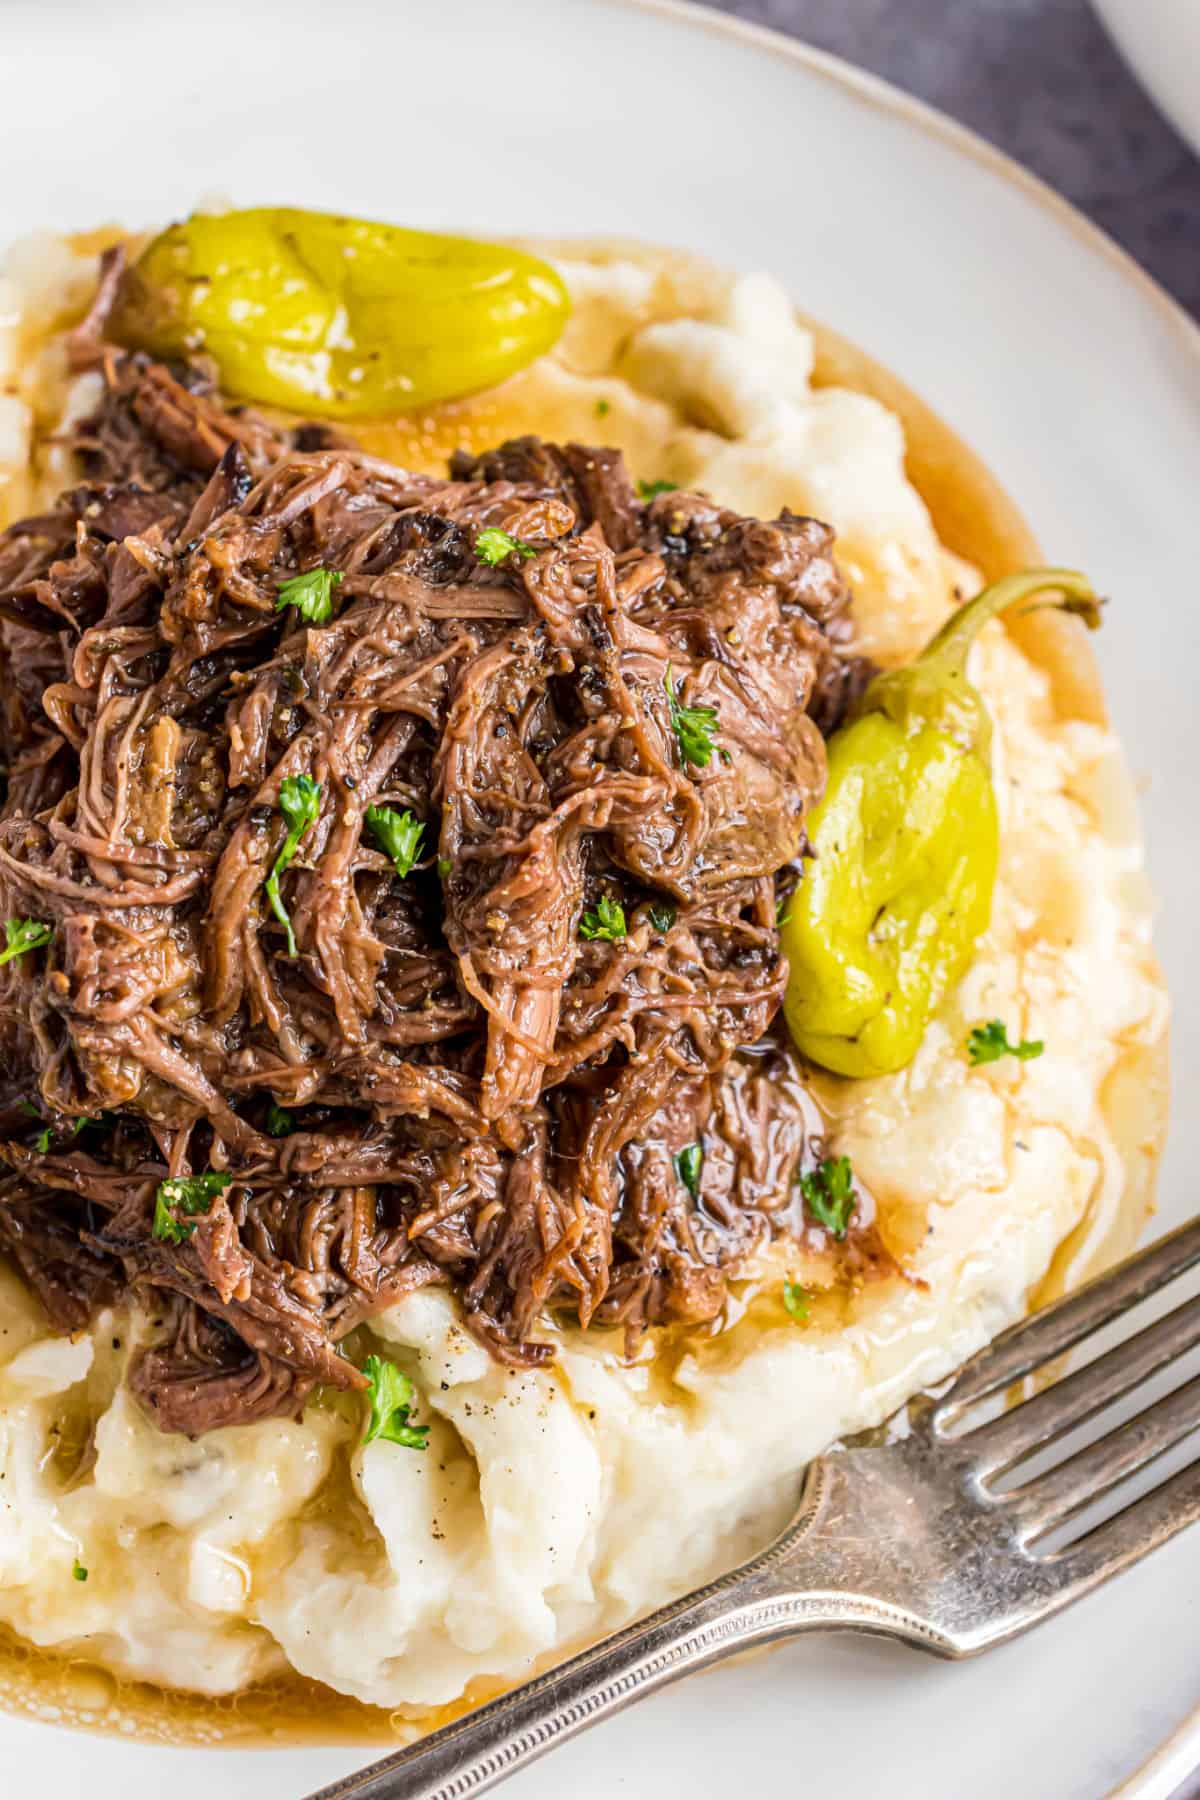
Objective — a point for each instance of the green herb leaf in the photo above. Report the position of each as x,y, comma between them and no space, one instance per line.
21,935
988,1043
444,866
494,546
646,490
27,1107
311,594
398,835
829,1194
186,1194
391,1398
78,1570
604,920
43,1138
300,803
661,917
797,1300
602,409
279,1120
688,1164
693,726
783,911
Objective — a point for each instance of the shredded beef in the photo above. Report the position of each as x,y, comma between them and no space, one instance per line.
481,1094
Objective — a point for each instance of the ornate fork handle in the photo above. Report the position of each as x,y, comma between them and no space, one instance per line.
793,1586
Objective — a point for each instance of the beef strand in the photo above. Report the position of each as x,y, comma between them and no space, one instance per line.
481,1094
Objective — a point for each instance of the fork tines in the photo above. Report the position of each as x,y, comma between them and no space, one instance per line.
1050,1497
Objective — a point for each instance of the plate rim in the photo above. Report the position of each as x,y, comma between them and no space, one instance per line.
1164,1761
885,95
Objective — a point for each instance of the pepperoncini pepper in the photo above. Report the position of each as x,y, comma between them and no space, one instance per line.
906,842
342,317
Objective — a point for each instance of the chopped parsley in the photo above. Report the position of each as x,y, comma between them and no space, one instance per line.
21,935
829,1194
602,409
78,1571
797,1300
391,1398
646,490
45,1136
494,546
398,835
783,911
661,917
279,1120
299,802
189,1195
693,726
29,1109
604,920
988,1043
311,594
688,1163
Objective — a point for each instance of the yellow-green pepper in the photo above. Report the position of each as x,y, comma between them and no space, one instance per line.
341,317
906,843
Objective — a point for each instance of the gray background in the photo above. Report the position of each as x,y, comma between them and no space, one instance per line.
1041,79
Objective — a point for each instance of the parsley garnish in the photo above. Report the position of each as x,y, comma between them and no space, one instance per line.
390,1393
29,1109
398,834
688,1163
602,409
78,1570
988,1043
829,1194
444,866
783,911
21,935
279,1120
43,1138
661,917
796,1299
693,726
604,920
311,594
646,490
299,802
494,546
187,1194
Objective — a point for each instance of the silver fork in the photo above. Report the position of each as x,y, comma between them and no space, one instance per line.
911,1540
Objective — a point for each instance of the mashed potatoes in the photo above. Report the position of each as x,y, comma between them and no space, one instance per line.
551,1506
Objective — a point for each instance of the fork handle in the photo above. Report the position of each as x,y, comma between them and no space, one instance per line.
755,1605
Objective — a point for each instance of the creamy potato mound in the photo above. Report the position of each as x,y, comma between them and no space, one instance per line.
551,1506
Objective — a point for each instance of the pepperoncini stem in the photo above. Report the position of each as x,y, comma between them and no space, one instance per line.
934,689
906,844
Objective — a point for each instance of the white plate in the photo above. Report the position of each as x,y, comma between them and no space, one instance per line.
1068,369
1160,40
